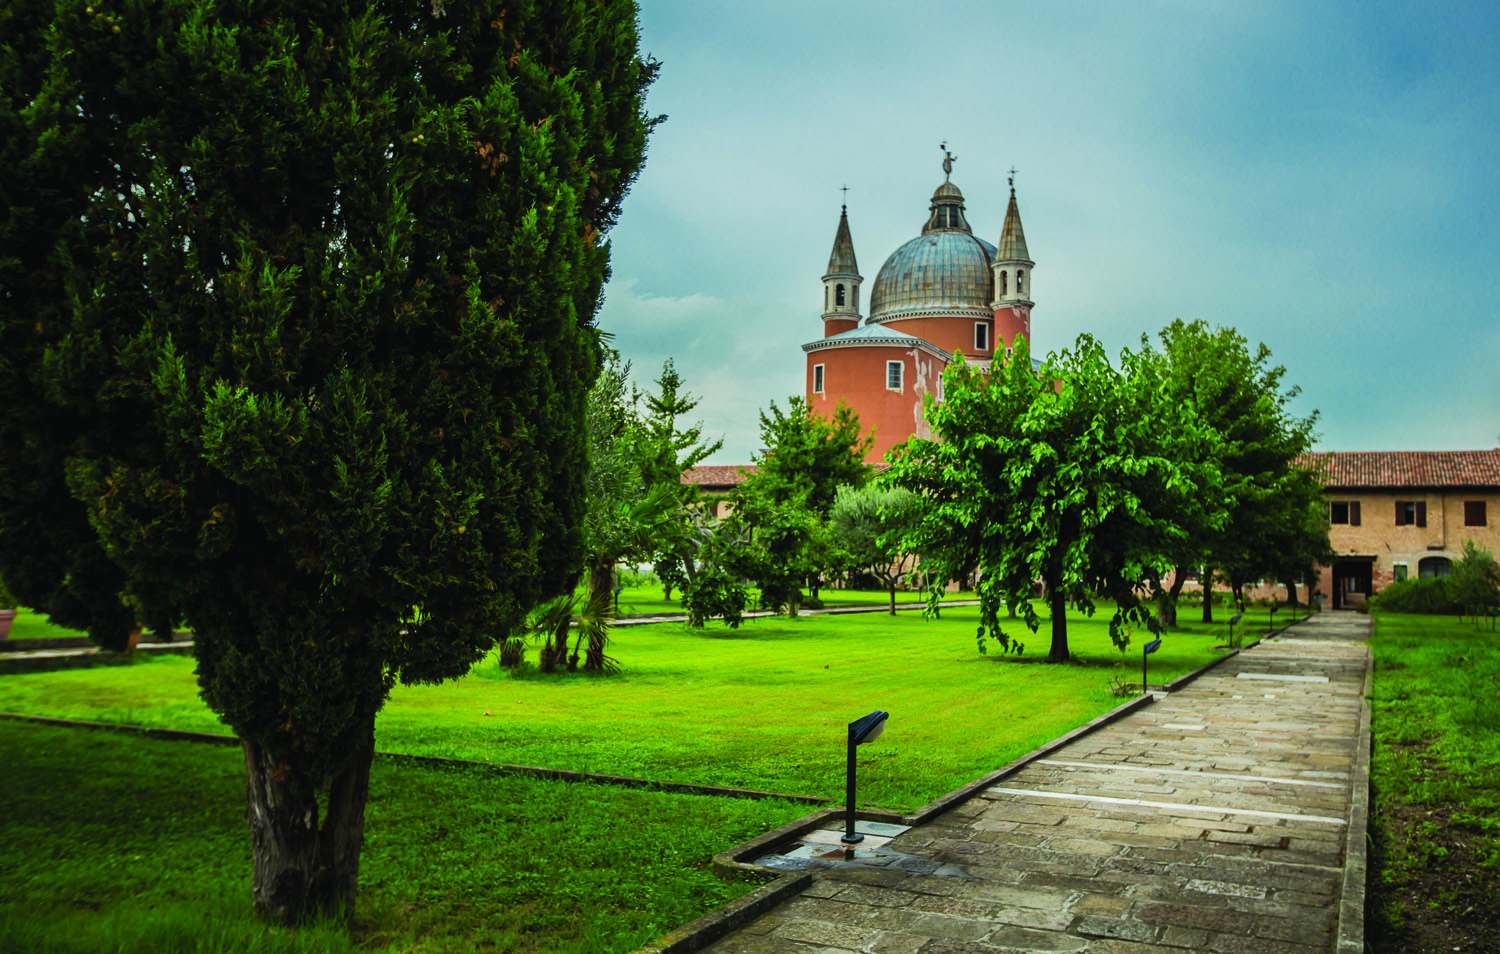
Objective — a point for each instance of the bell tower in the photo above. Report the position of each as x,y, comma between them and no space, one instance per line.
1012,269
841,283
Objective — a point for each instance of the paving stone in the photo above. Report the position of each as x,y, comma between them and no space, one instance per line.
1027,939
823,889
1102,905
841,936
1212,919
1190,938
897,944
1125,928
875,896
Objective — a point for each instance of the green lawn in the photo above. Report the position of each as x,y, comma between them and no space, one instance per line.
114,842
1435,774
120,843
648,599
763,706
32,625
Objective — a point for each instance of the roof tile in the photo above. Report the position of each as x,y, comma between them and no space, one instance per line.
1356,469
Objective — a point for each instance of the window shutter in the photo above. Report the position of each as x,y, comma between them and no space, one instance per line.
1421,513
1354,513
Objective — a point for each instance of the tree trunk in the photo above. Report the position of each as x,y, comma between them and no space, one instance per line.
1291,593
1059,603
301,868
893,596
791,603
555,649
1208,594
601,582
1166,601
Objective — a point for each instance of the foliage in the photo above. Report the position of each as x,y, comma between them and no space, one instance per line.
1067,475
780,509
1474,582
868,523
297,318
1417,596
807,455
7,602
1264,517
666,449
629,517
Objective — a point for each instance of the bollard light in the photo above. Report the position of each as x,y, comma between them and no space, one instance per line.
1232,621
865,729
1150,648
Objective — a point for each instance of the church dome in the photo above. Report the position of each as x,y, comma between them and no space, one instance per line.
941,270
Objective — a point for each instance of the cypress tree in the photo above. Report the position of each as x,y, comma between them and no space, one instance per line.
295,334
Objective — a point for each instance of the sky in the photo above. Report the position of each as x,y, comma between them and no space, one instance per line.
1323,177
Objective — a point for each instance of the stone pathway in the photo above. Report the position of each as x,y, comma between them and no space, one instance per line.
1216,819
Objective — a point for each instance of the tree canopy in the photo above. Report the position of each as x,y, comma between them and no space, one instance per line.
1066,475
1253,523
294,345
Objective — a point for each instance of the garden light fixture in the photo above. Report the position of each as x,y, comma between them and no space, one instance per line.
1151,647
865,729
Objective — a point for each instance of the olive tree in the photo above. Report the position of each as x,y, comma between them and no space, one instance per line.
294,343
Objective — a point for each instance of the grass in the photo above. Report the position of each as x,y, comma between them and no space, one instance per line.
761,707
32,625
148,849
148,852
1435,773
648,599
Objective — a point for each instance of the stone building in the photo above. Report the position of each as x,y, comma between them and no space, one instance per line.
943,292
1399,514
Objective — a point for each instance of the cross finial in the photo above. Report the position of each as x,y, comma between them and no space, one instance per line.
1012,180
845,190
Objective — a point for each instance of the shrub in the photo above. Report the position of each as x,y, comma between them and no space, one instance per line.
1416,596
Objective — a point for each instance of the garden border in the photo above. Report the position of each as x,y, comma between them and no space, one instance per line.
1351,927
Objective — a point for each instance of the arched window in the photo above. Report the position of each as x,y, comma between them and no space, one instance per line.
1004,290
1019,289
1433,567
838,295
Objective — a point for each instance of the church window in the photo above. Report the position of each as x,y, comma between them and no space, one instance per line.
838,294
981,336
893,375
1004,290
817,379
1019,289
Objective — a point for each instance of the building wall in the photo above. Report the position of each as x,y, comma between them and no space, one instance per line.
953,335
1378,535
858,375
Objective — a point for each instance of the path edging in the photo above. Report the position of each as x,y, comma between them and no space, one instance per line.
1351,928
736,914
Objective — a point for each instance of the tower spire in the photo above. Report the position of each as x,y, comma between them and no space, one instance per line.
841,281
1012,270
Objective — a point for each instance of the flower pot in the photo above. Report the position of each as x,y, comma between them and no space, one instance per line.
6,618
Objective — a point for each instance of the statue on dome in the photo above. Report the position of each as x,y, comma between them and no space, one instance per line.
948,158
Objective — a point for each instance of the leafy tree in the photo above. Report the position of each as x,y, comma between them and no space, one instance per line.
666,448
1059,475
628,517
781,507
869,522
295,342
1474,582
1241,524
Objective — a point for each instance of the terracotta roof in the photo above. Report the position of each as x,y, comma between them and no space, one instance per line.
710,476
1480,468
